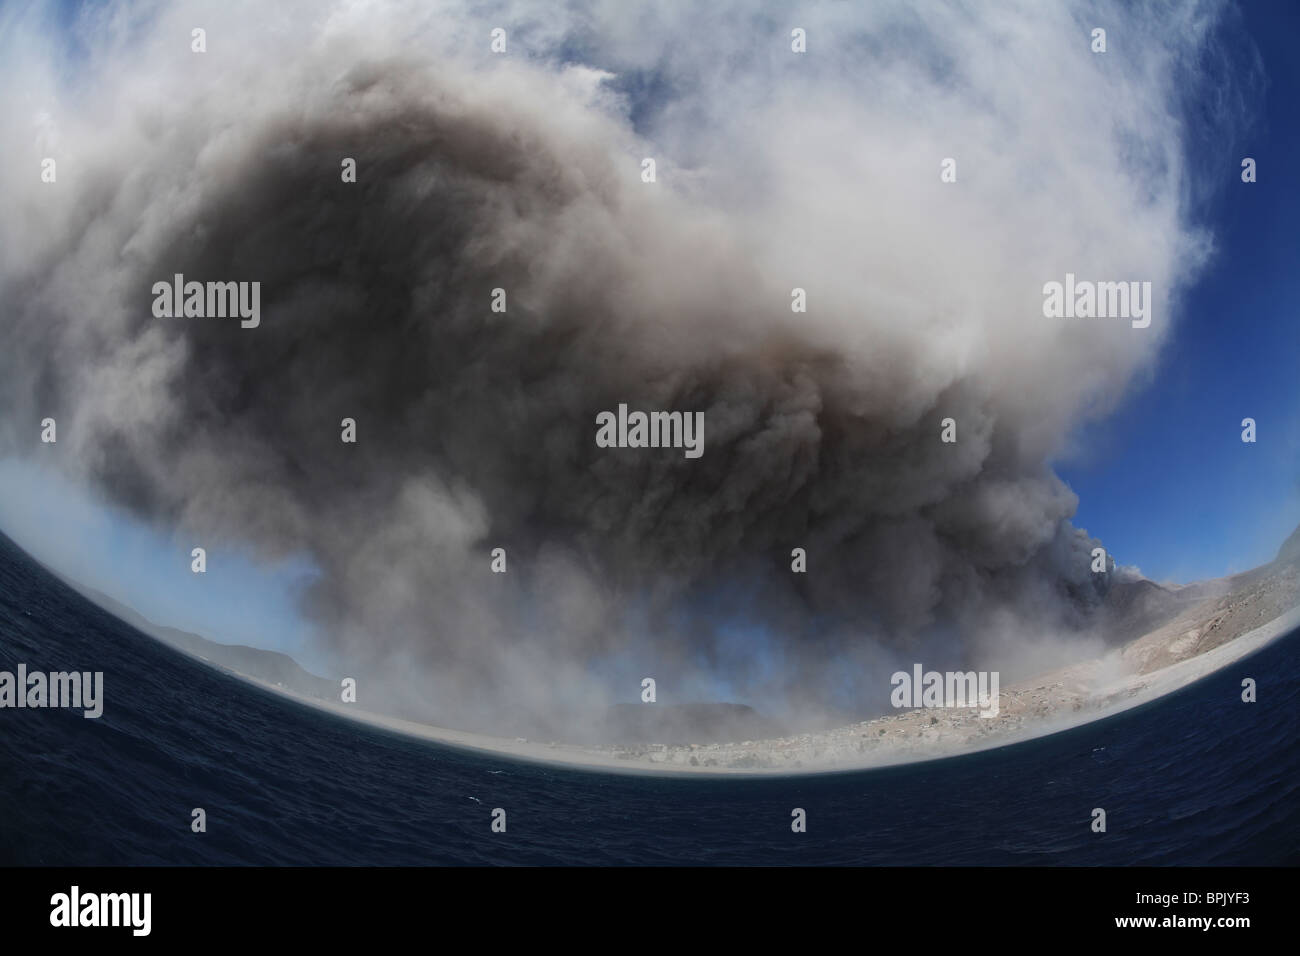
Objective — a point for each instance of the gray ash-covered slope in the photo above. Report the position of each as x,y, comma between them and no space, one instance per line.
1218,611
1131,609
1290,550
695,723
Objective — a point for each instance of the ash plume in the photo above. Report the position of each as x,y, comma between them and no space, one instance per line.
475,429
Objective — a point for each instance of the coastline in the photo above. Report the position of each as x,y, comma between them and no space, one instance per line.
1056,701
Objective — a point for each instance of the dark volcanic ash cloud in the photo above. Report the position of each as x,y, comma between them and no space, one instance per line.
476,429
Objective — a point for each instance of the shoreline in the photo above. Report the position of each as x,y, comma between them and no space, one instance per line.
912,736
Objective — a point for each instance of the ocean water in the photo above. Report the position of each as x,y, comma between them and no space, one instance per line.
1195,778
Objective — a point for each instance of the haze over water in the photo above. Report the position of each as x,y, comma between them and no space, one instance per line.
1194,778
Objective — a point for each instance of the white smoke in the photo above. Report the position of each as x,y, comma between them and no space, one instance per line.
521,170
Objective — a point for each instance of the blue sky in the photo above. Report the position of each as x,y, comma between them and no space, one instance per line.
237,600
1165,481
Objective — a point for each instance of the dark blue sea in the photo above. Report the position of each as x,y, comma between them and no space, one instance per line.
1195,778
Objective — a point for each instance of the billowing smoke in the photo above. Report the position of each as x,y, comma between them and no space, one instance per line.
522,171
